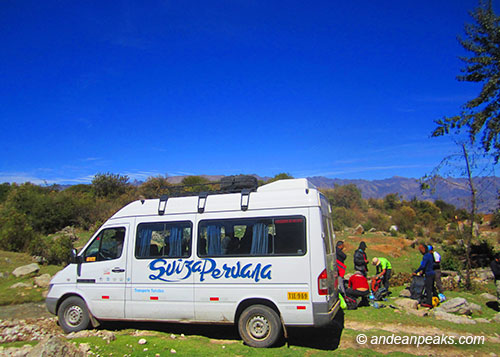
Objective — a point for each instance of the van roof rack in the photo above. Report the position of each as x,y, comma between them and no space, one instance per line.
230,184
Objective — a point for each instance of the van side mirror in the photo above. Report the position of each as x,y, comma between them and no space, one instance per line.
75,259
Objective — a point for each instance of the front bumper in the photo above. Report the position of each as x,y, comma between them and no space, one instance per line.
51,304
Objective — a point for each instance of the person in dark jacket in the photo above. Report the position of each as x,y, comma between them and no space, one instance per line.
339,250
426,266
495,268
361,260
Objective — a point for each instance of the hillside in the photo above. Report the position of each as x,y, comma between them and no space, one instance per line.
454,191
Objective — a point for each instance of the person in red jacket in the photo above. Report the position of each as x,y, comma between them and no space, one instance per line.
358,287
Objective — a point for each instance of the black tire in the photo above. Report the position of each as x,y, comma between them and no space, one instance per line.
260,326
73,315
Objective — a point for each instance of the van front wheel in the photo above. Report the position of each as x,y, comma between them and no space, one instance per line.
73,315
259,326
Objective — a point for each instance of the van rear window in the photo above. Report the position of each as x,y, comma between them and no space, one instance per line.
252,237
163,240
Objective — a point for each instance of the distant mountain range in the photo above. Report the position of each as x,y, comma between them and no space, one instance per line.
451,190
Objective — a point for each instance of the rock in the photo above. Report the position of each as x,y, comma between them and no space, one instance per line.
496,318
393,228
371,230
4,275
55,347
475,307
448,273
38,259
359,229
441,315
84,348
43,280
482,321
26,270
20,285
79,334
142,341
457,305
405,293
68,232
406,304
419,312
488,297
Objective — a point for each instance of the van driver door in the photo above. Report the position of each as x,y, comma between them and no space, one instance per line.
102,272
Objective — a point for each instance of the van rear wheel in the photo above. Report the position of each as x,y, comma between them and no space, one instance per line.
260,326
73,315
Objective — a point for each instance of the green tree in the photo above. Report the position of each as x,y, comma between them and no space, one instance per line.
392,201
405,219
110,185
4,191
481,115
154,187
196,184
281,176
347,196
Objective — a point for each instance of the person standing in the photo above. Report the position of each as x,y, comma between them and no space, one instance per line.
361,260
495,268
341,267
384,270
437,268
426,266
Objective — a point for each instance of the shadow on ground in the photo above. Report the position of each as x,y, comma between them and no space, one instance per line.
493,305
318,338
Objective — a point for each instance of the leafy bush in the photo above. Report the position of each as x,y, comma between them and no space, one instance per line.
110,185
342,217
15,232
450,261
405,219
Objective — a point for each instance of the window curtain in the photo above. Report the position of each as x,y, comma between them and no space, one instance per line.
144,241
214,246
260,239
175,242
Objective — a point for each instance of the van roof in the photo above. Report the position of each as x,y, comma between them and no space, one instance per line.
279,194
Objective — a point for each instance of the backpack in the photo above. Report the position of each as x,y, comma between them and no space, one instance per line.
238,183
417,287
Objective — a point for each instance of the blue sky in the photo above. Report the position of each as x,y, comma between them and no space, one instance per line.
337,89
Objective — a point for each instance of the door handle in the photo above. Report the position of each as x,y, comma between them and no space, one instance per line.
118,270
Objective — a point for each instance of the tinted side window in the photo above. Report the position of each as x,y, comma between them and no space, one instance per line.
252,237
107,245
163,240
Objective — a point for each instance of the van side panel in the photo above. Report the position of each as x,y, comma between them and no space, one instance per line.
151,293
227,281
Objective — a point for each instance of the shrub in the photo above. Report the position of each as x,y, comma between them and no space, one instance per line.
15,232
110,185
342,217
405,219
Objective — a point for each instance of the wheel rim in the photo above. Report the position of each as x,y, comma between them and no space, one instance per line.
73,315
258,327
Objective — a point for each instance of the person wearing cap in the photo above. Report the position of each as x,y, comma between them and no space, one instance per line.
437,268
384,270
360,259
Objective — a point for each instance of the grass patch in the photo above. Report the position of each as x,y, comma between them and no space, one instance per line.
10,261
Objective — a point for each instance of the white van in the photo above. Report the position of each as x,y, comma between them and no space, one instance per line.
262,260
